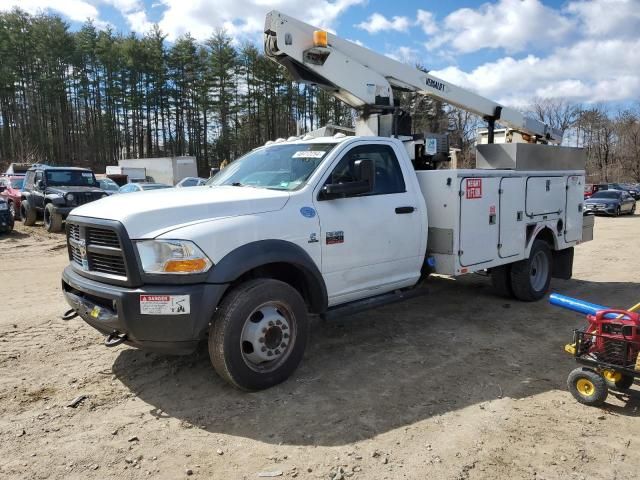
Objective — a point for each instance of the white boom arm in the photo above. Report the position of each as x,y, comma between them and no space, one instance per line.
364,79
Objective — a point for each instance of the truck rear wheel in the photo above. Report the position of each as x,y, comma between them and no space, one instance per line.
52,219
530,278
258,335
28,213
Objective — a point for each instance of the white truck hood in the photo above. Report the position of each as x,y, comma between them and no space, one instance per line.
149,214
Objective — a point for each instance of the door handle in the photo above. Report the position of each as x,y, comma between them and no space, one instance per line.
401,210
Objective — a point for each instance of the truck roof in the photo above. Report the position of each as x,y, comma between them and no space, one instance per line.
49,167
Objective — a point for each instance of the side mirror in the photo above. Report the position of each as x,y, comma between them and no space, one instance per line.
364,173
41,184
2,188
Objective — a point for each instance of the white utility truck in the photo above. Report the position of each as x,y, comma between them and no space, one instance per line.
323,225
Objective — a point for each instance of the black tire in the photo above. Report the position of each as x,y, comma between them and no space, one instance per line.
501,281
28,214
530,278
633,210
241,310
587,387
618,211
52,220
623,383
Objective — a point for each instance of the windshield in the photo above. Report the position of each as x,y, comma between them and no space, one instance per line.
17,183
108,184
278,167
77,178
606,194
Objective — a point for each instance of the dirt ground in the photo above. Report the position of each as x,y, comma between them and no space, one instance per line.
454,384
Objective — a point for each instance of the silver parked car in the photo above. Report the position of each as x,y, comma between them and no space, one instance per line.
142,187
191,182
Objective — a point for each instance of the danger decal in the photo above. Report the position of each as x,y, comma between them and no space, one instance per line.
165,304
473,188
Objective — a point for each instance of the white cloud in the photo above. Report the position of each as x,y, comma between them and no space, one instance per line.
405,55
77,10
605,17
124,6
427,22
378,23
244,17
513,25
138,21
590,70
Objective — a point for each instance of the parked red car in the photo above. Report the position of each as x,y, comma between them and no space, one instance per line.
590,189
10,189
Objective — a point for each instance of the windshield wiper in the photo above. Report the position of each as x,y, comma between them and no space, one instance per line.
236,184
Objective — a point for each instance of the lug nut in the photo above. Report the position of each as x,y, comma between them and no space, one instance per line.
284,327
283,344
264,349
269,353
286,335
277,352
261,339
271,323
278,322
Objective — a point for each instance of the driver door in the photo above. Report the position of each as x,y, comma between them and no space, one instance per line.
370,242
38,192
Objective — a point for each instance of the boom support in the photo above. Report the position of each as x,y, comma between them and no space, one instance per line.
365,80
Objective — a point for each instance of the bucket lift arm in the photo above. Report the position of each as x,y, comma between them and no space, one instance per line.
365,80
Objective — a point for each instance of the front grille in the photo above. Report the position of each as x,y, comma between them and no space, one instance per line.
96,250
74,232
81,198
99,236
107,264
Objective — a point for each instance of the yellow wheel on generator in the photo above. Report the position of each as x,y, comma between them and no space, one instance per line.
617,380
587,386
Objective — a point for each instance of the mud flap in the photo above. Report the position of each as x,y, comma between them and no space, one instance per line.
563,264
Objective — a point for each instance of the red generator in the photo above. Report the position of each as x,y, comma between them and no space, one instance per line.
608,348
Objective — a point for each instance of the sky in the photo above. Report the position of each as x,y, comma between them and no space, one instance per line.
508,50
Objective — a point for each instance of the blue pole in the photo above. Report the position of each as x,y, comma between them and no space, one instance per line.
579,306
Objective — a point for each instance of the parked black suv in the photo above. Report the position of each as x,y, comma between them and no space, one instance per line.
54,191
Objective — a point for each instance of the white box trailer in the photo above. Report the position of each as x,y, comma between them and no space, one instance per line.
169,170
132,173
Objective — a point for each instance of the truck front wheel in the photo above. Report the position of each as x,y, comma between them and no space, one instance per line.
28,213
52,219
530,278
258,335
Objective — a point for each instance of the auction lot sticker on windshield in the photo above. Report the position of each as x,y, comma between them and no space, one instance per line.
309,154
164,304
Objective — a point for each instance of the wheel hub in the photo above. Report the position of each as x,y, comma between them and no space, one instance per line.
539,271
266,335
585,387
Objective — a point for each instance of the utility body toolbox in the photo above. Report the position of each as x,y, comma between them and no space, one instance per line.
479,219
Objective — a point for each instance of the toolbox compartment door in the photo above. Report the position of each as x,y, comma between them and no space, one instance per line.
575,199
478,228
545,196
512,221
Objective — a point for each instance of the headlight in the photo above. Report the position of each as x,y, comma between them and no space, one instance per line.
69,197
172,257
4,206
